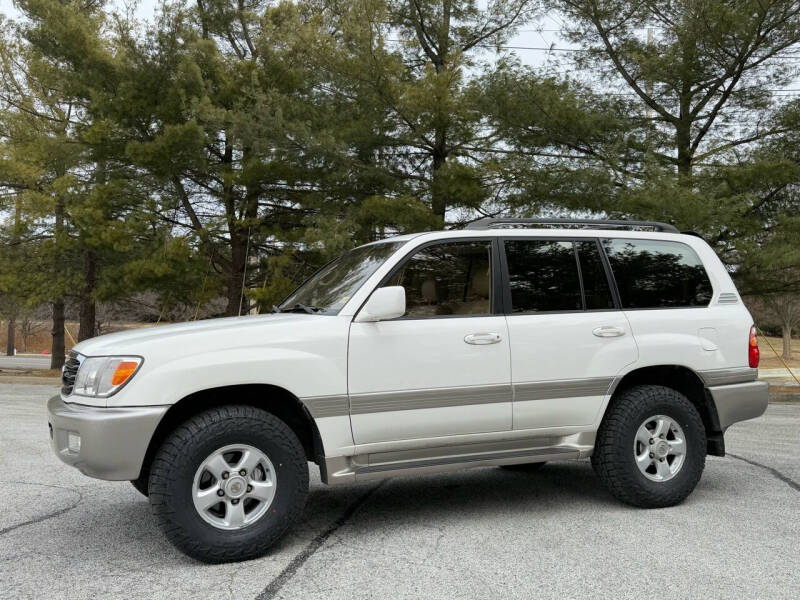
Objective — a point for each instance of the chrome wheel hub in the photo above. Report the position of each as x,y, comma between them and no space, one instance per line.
234,487
659,448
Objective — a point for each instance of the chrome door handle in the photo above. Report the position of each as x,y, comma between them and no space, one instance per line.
608,331
482,339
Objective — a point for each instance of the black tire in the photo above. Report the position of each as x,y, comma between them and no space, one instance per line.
173,469
141,485
524,467
613,459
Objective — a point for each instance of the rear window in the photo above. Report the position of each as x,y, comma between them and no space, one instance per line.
657,274
543,276
596,291
556,275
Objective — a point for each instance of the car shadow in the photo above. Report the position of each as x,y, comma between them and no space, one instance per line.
556,486
468,494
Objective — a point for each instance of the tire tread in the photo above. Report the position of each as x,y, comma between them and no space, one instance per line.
611,459
222,420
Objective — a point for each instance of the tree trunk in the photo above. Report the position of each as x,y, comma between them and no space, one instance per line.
236,274
786,330
439,56
683,128
12,323
25,332
438,195
12,328
58,350
683,143
88,307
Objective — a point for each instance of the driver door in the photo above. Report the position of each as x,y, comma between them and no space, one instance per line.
442,369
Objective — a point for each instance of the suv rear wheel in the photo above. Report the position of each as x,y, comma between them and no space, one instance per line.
651,447
228,483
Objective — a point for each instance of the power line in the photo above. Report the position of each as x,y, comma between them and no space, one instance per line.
793,90
554,49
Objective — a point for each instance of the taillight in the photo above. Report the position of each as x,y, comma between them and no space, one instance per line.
752,348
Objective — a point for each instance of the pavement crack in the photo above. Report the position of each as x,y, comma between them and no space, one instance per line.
44,517
787,480
232,580
315,544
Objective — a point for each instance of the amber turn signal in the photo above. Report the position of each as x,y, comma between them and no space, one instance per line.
123,372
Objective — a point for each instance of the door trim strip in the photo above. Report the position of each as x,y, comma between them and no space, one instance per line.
327,406
566,388
376,402
429,398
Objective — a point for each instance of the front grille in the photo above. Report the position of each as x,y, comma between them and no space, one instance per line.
69,372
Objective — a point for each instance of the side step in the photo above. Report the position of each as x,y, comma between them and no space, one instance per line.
351,469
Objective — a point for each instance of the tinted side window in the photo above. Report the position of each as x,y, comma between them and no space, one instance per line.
595,283
447,279
543,275
655,274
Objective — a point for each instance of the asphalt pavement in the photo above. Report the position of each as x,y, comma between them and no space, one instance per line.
478,533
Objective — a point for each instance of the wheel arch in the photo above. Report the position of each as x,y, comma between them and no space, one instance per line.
274,399
686,381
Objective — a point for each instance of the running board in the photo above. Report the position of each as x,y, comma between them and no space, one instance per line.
342,469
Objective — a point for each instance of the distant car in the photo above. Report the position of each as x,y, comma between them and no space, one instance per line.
513,342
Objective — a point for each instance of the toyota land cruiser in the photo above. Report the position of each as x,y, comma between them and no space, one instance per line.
512,343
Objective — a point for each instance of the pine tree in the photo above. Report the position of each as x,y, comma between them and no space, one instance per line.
410,63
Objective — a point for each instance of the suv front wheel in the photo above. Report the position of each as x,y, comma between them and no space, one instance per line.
651,447
228,483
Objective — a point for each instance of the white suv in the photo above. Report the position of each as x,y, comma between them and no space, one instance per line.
513,342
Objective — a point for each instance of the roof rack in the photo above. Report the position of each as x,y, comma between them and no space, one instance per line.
513,223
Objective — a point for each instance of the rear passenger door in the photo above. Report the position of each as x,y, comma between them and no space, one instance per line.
569,339
665,293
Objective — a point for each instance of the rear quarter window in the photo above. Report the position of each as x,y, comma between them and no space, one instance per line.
657,274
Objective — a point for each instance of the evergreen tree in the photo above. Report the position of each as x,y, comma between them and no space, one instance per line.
708,68
685,138
41,160
410,62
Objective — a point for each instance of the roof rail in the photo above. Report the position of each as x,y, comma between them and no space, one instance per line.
514,223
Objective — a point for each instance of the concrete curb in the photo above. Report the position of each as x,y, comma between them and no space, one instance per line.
32,380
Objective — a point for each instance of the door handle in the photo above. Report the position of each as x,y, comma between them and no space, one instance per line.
608,331
482,339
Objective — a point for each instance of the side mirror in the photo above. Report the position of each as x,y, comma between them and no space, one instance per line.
384,303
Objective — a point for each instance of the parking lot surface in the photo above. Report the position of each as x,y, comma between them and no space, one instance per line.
479,533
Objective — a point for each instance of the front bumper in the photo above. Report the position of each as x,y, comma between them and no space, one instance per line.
113,441
740,401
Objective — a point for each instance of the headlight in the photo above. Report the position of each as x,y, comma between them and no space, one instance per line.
102,376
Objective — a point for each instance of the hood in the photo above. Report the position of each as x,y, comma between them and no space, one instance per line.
186,337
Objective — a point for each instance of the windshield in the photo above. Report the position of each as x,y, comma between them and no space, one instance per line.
329,289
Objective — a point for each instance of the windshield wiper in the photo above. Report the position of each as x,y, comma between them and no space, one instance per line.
297,308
